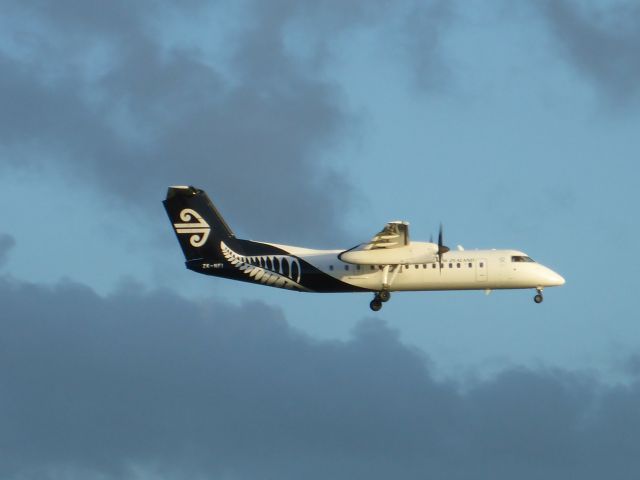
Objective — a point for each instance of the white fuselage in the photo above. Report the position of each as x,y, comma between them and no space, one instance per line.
460,270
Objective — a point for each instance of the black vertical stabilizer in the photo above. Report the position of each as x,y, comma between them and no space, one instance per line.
197,223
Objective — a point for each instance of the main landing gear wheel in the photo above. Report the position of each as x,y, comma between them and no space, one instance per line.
538,298
378,299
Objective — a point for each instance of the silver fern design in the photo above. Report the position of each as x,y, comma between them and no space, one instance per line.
281,271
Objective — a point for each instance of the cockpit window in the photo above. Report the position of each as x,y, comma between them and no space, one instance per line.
522,258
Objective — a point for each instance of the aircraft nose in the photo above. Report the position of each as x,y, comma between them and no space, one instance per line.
555,279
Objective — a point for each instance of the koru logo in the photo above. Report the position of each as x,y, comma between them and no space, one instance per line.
194,225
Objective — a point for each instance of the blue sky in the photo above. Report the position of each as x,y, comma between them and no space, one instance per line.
514,146
314,123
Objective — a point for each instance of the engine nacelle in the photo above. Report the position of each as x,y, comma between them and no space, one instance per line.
415,252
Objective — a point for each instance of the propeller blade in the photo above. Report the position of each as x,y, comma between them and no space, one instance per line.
441,248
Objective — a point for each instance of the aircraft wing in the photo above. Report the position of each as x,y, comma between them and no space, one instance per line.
390,246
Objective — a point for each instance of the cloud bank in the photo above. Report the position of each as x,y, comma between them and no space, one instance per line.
7,242
112,94
148,383
601,43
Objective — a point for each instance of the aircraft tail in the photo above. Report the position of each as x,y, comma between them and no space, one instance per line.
197,222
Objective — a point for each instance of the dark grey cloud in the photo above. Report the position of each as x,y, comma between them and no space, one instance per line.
154,116
95,88
147,381
632,365
602,43
423,36
7,242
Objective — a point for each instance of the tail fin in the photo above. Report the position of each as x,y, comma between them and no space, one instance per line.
197,223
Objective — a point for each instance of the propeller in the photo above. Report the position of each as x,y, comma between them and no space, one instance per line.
442,249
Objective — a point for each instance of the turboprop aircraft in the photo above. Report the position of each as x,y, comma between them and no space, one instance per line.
388,262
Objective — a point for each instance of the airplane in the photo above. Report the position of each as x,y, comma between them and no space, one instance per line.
389,262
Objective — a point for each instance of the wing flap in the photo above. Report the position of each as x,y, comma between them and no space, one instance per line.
393,235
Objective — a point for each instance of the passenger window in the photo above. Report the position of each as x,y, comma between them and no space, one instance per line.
330,267
416,265
373,267
346,267
458,265
434,265
481,264
470,265
357,267
451,265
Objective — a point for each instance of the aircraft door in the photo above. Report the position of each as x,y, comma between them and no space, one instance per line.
481,270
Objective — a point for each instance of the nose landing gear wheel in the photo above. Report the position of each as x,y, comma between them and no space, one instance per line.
375,304
538,298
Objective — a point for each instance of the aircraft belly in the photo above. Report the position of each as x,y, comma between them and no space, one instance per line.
419,280
369,282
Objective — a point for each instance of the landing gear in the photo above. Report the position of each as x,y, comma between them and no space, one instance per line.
538,298
378,299
383,295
